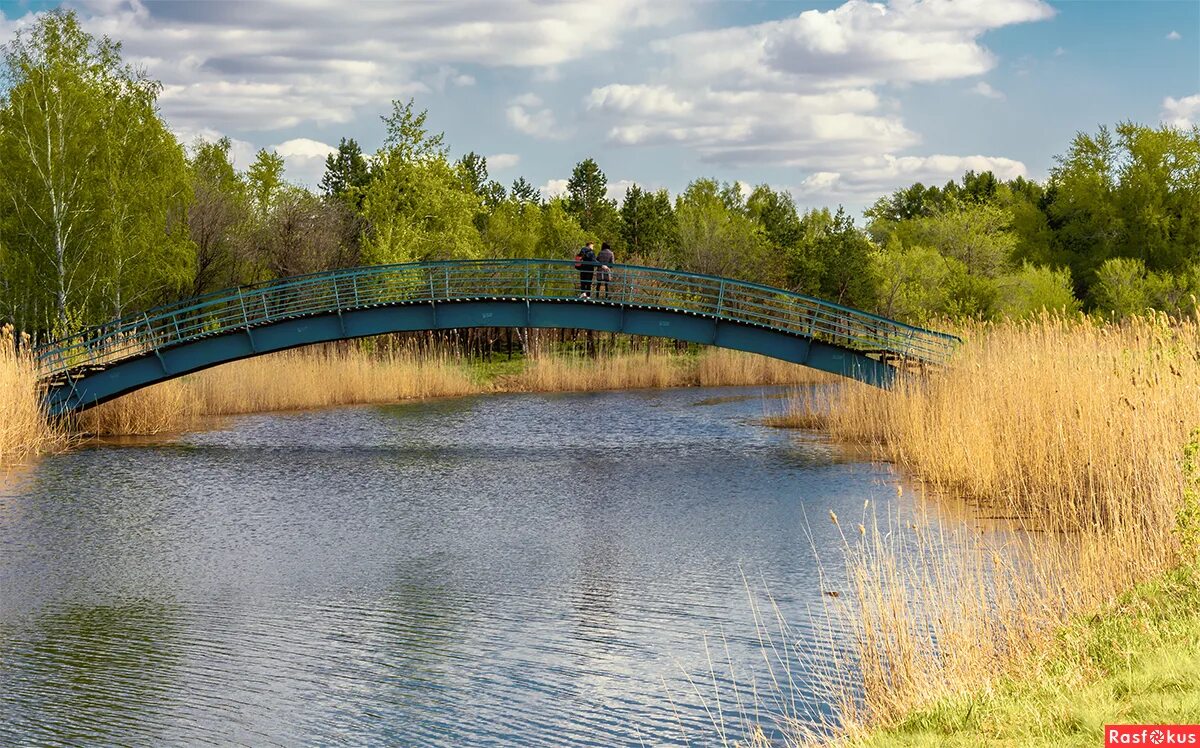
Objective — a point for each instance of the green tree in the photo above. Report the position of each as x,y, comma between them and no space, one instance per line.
718,240
93,185
977,235
776,213
916,284
560,233
216,217
804,265
587,201
264,179
347,173
523,191
1122,288
1032,290
514,229
845,258
648,227
417,207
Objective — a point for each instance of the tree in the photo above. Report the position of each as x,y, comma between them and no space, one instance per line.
346,173
304,234
472,169
804,263
776,213
560,234
648,226
513,229
845,256
93,185
523,191
916,283
977,235
718,240
265,179
1122,288
417,207
587,200
1033,290
216,216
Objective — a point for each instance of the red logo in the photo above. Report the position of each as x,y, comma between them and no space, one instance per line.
1152,735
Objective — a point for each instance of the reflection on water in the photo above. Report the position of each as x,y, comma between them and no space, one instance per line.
526,569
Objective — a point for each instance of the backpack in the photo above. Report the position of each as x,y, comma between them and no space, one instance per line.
584,258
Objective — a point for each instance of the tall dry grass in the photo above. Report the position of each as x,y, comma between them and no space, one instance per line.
714,367
24,428
290,380
1072,433
349,375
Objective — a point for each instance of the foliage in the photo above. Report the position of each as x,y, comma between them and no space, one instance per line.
109,215
416,207
715,238
648,227
94,186
347,173
1027,292
587,201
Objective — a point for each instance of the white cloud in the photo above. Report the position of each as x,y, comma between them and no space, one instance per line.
266,66
503,161
805,91
856,43
1059,51
304,159
873,175
616,190
749,126
527,115
241,153
1182,113
553,188
983,88
1174,36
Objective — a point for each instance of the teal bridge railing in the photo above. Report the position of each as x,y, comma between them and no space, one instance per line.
345,297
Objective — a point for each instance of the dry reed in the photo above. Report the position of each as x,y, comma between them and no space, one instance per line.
291,380
347,375
1071,433
24,428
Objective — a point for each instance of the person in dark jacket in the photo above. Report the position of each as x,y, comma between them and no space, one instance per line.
607,259
585,262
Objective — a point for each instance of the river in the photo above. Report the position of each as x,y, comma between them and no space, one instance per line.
503,570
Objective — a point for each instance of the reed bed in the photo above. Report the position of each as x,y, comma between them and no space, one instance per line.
1069,432
24,428
291,380
350,374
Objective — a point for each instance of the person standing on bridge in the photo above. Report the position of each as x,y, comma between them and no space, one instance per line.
585,263
607,259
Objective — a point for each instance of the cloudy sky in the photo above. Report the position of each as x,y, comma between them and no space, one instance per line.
837,102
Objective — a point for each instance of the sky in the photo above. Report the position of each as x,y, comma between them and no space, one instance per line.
839,103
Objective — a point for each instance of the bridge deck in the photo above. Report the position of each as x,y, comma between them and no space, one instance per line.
433,284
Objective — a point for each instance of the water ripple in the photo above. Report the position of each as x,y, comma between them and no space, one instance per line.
518,570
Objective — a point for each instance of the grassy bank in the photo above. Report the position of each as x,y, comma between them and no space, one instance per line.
1068,431
1135,662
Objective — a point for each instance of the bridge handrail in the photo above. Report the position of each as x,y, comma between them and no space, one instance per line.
688,292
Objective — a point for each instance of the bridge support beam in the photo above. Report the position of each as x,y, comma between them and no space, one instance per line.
167,363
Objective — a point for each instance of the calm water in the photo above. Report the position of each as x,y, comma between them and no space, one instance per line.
533,570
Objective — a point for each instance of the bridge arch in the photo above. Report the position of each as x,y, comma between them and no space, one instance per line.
137,351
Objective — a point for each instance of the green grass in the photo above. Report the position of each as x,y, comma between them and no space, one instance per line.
485,372
1138,662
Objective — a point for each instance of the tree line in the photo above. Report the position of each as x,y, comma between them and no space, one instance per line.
103,212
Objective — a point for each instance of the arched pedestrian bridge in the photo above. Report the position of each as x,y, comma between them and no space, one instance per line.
139,350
